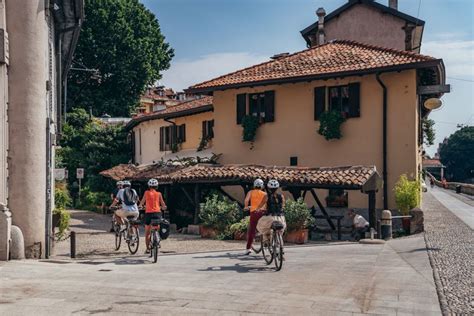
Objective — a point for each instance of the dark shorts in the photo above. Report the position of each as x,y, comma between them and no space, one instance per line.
150,216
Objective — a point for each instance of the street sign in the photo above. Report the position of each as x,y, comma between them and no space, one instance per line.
59,174
80,173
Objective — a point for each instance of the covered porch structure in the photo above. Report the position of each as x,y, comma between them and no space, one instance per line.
298,181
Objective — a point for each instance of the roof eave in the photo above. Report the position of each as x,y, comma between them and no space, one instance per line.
430,63
141,119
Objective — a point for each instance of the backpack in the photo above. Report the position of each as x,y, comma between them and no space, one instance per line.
130,196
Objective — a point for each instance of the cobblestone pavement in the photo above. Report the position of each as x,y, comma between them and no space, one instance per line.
449,241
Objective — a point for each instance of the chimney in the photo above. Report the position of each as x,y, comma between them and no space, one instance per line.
320,37
393,4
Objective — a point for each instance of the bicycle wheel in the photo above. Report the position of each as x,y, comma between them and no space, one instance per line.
267,252
156,246
118,239
277,250
257,244
134,239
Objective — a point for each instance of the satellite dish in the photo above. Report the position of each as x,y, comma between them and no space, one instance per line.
433,103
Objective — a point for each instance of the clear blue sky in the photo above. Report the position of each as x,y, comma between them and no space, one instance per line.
214,37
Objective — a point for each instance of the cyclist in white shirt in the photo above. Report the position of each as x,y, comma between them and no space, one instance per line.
129,198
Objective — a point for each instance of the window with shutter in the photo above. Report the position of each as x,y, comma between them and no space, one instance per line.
210,129
269,103
354,100
241,108
204,130
319,102
162,138
345,99
182,133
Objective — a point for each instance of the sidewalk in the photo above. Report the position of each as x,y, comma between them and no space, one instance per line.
350,279
461,206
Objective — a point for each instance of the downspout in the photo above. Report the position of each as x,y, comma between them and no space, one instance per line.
384,141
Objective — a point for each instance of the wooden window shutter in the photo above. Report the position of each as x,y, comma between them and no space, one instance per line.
174,134
319,102
241,107
269,106
182,128
204,129
133,146
210,128
162,138
354,99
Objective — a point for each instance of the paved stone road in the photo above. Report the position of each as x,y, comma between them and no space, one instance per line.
450,241
350,279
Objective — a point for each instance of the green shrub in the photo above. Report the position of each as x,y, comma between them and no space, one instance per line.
250,125
93,200
407,194
241,226
330,124
64,219
219,213
297,215
62,199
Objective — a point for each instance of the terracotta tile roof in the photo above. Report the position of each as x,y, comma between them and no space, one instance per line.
339,57
432,163
203,104
353,177
135,173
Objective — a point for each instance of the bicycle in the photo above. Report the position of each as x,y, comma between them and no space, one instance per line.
272,250
129,233
155,237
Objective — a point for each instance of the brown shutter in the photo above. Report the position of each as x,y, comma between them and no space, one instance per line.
183,132
354,99
319,102
269,106
174,134
162,138
133,146
204,129
210,128
241,110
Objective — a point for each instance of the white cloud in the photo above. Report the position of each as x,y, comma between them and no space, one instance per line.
458,56
184,73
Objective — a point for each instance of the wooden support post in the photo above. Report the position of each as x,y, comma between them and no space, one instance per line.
186,194
197,200
304,194
323,210
372,210
295,193
230,197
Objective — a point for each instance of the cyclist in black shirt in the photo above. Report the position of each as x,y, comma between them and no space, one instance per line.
274,212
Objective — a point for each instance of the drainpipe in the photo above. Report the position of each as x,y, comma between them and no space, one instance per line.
384,145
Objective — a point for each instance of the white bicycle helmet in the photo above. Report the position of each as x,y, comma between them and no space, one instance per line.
152,183
273,184
258,183
126,183
119,183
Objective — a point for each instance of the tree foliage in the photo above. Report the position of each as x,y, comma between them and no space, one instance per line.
428,131
122,40
89,144
457,154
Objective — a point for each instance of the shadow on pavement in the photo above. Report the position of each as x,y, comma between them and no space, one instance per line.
231,256
239,268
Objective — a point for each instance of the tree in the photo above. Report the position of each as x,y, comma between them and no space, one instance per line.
88,143
428,131
121,39
457,154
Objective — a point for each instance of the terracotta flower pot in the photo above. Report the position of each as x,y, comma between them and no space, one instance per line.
297,237
240,235
207,232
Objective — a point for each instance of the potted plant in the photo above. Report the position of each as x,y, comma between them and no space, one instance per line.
217,214
298,219
61,219
239,229
330,124
250,124
407,197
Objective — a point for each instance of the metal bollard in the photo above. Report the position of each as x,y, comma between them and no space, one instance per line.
73,244
386,225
